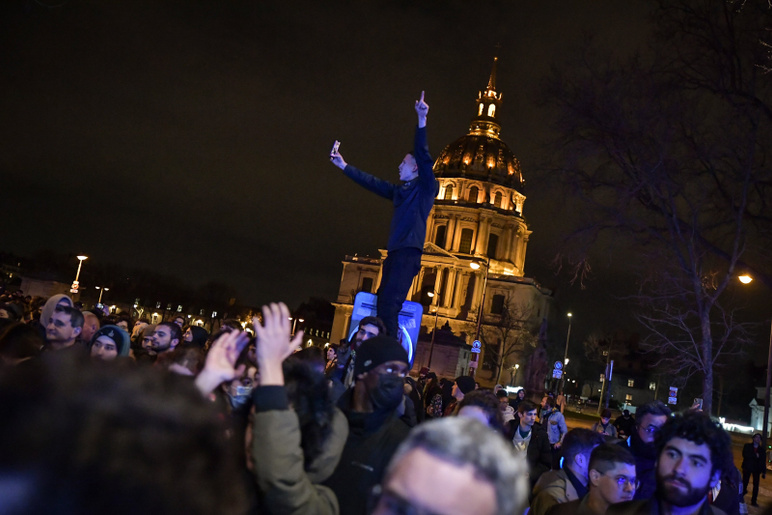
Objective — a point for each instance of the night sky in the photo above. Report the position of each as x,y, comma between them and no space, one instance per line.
191,137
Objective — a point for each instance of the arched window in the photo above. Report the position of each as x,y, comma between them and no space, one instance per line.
497,199
473,194
449,192
491,110
480,112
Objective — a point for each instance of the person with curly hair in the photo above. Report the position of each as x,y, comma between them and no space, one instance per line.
692,454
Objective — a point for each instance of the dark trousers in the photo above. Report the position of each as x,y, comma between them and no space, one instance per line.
400,267
746,477
556,455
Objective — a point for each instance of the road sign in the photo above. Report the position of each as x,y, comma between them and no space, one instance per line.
558,365
672,397
557,374
476,346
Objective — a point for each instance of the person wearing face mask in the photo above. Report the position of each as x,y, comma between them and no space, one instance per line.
375,429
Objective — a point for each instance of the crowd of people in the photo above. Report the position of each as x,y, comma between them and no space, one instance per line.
105,414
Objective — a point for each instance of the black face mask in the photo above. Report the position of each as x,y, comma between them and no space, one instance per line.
388,393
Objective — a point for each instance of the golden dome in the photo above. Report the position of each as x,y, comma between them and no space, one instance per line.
481,154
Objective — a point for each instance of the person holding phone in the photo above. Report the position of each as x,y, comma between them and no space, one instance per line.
413,199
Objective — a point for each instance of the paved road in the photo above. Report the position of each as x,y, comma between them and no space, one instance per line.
738,440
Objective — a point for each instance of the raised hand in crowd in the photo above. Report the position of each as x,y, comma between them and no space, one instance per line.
274,344
221,360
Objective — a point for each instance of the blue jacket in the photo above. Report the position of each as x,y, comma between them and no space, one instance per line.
413,200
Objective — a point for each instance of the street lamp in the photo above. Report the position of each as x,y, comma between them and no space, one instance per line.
75,283
517,369
294,322
475,265
101,291
432,294
565,353
746,279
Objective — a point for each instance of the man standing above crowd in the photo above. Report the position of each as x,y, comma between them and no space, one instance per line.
611,478
692,453
569,483
651,418
375,429
63,328
413,200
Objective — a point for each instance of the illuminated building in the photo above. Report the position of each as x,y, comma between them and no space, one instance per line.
477,218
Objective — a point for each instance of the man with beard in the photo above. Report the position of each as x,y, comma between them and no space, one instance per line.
375,429
166,337
692,453
650,418
343,375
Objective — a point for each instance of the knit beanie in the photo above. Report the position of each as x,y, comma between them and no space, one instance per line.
376,351
465,384
117,335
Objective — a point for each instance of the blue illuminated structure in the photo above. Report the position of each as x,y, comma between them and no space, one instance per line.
409,320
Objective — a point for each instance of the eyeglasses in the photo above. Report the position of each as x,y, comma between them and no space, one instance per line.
621,481
651,429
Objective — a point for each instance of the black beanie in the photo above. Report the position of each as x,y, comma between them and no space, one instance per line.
465,384
378,350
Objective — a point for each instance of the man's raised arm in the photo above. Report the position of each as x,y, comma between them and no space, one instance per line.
421,148
422,109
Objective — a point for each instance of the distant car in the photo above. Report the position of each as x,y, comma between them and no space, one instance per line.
628,407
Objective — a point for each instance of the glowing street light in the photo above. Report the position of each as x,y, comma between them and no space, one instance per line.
432,294
475,265
565,353
75,283
294,323
746,279
101,291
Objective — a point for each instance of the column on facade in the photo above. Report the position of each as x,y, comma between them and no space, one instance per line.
450,235
450,289
483,230
461,277
437,284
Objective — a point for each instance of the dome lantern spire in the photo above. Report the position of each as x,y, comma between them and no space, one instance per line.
492,79
488,103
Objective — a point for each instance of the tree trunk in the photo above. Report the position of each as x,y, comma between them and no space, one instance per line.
707,366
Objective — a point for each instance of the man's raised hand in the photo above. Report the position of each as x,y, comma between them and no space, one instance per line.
422,109
335,156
